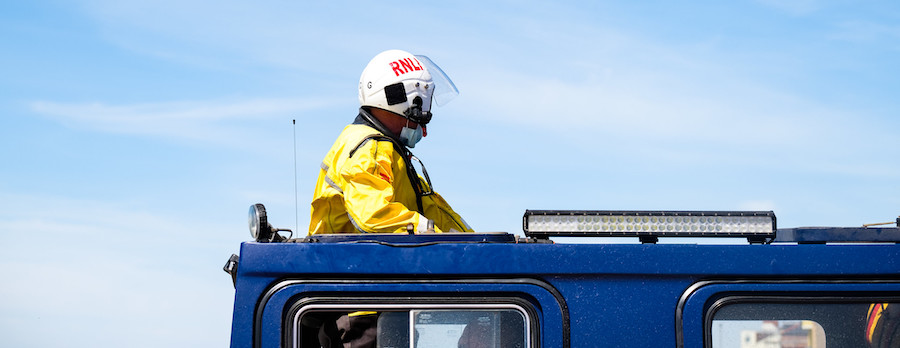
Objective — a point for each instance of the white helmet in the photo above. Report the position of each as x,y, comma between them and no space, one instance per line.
404,84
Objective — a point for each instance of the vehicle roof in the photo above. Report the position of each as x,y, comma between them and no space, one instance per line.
423,255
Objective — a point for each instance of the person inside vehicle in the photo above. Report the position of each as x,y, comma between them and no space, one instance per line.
883,325
368,182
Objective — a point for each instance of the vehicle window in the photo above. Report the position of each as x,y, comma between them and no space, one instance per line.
413,327
814,323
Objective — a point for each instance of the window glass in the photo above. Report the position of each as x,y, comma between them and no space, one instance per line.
768,334
413,328
802,323
468,329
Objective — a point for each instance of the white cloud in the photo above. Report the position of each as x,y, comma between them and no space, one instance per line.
676,102
206,121
113,229
653,105
213,34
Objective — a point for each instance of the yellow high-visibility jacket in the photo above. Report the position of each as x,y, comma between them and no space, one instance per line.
364,187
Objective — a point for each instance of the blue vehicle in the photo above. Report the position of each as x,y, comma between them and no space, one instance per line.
770,287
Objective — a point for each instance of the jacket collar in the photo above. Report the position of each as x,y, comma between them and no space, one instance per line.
366,118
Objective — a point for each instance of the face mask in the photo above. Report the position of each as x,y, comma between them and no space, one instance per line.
410,137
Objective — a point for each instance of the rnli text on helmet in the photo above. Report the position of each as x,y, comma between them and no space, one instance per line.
406,65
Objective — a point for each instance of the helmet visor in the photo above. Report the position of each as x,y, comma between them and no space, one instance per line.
444,89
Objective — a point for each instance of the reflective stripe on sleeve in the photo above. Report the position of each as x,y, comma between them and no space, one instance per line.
333,184
328,180
352,221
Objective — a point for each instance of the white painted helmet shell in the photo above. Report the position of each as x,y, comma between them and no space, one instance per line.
390,70
398,81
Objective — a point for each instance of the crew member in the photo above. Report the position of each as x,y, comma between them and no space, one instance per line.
368,182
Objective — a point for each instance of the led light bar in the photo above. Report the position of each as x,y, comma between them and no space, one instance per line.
754,225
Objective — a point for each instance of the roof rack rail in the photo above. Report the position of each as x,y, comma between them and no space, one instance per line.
821,235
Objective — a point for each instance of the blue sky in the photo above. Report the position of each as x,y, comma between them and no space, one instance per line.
135,134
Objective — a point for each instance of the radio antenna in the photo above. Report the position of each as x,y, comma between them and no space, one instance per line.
296,206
